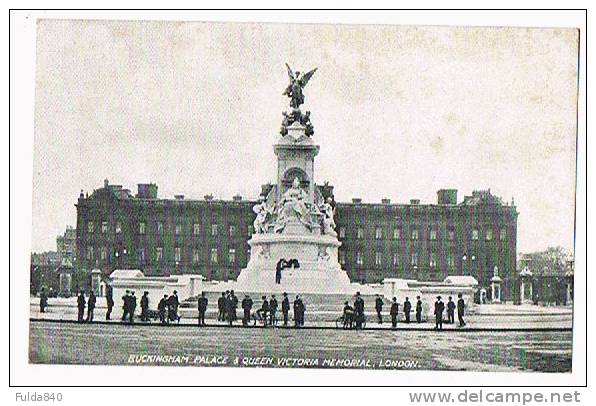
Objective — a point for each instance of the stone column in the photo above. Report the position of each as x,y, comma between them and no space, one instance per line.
495,285
526,279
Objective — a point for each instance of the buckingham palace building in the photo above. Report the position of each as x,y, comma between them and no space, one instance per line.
118,229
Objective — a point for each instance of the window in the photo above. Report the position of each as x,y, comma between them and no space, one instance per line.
489,234
503,234
378,233
214,255
160,227
378,258
432,234
415,234
359,233
342,257
90,227
342,232
214,230
118,227
395,259
195,256
396,233
196,229
178,229
141,228
103,253
475,234
232,255
104,227
359,259
451,234
433,260
177,254
158,253
232,230
450,261
89,252
142,254
414,259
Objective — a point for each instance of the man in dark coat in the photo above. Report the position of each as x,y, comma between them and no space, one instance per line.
246,307
359,310
221,306
162,308
272,310
91,306
407,309
109,302
379,308
460,310
299,309
81,302
394,312
202,307
173,304
281,264
43,300
348,315
264,310
450,311
285,308
418,309
125,305
439,308
232,317
133,307
145,306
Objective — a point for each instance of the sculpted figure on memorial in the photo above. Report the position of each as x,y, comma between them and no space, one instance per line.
293,206
263,211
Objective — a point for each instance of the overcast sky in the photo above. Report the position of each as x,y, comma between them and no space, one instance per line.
399,112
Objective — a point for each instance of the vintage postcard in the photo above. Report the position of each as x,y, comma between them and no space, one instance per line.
281,195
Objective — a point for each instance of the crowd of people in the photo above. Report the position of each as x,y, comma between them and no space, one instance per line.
353,315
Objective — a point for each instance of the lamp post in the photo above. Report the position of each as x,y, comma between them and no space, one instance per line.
526,280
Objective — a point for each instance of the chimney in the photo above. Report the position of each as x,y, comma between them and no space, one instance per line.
208,197
447,196
386,201
237,198
414,201
356,200
179,197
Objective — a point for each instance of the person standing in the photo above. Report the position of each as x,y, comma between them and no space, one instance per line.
81,305
202,307
450,311
264,310
285,308
233,306
348,315
418,310
246,306
109,302
439,308
407,309
299,309
161,309
133,307
221,306
379,308
145,306
359,310
272,310
394,312
125,305
43,300
461,305
279,267
91,306
173,304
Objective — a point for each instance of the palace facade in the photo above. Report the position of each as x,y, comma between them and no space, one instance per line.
118,229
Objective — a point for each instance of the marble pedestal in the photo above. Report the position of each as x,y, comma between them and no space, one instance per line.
319,270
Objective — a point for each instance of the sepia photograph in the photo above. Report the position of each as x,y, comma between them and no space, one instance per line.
303,195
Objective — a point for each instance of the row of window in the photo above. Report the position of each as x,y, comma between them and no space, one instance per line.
159,228
432,234
158,254
396,259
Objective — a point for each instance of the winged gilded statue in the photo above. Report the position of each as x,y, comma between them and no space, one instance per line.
295,89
